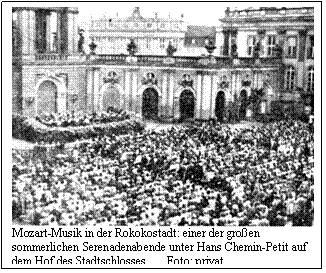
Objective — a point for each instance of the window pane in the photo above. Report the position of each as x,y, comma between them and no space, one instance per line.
292,41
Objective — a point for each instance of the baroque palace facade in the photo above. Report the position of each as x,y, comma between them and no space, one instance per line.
58,79
152,35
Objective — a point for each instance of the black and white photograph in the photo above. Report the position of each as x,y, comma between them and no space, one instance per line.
163,114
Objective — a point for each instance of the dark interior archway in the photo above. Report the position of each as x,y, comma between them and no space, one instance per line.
47,95
187,104
220,106
150,103
243,104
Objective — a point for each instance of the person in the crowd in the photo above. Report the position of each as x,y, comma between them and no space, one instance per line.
81,119
186,175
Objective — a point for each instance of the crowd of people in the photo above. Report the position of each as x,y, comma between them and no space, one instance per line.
82,119
186,175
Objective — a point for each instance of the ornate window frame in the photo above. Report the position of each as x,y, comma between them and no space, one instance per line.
289,78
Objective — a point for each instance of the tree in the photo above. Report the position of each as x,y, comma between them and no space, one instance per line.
132,47
170,50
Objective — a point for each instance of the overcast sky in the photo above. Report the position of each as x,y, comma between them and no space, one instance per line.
195,13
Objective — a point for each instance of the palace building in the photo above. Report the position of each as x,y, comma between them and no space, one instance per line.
152,35
287,32
50,75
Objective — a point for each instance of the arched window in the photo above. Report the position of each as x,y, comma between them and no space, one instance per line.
289,78
292,47
310,85
186,77
150,75
112,74
149,78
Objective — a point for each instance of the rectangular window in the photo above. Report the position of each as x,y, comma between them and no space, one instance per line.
109,24
310,84
310,48
289,78
149,24
148,43
251,45
292,47
271,43
162,43
292,81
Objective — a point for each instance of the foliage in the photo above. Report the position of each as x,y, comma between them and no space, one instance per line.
33,131
283,109
132,48
170,50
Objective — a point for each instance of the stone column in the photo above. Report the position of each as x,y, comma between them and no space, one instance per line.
214,94
135,103
302,45
233,85
64,31
211,97
31,32
48,32
59,34
198,94
90,90
26,25
165,93
70,30
96,90
237,81
206,94
75,34
127,89
171,106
